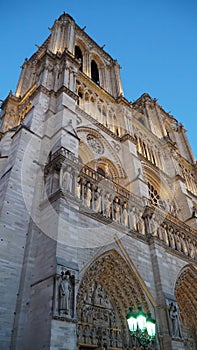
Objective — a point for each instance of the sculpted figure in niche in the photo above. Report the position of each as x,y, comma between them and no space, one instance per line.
80,333
112,319
94,336
107,205
160,232
125,215
192,250
65,293
84,310
133,219
116,211
118,339
165,235
67,180
184,243
99,295
171,237
172,209
89,314
78,188
113,338
88,195
141,224
153,225
87,334
178,241
174,321
97,200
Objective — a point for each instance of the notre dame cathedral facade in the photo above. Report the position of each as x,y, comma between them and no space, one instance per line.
98,207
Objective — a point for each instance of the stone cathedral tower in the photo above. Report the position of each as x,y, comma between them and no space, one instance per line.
98,206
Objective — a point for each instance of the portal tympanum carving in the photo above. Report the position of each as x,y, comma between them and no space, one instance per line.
98,324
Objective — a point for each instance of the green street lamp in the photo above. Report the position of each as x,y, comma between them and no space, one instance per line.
141,327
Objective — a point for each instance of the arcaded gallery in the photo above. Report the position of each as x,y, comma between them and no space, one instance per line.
98,208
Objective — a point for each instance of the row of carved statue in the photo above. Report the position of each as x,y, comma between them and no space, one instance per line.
89,334
92,314
106,202
105,198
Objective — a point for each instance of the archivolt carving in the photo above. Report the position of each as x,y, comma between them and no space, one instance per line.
81,44
85,153
94,56
119,289
186,294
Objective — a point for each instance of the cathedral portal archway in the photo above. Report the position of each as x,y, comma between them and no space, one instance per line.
185,291
108,289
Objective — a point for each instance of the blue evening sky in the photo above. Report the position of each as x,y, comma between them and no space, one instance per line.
154,41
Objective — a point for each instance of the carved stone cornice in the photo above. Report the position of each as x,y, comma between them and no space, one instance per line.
67,91
127,137
65,319
123,101
178,177
167,141
50,93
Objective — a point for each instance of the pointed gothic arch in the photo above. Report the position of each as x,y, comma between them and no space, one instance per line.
185,291
85,154
109,287
107,168
95,72
79,56
109,152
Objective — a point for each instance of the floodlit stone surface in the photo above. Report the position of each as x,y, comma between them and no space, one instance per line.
97,207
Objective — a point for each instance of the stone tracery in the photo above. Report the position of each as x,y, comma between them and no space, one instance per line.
102,111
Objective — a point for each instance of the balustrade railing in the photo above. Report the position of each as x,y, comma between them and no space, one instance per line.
100,196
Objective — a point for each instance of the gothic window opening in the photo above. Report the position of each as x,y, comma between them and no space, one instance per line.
79,56
101,172
94,72
80,94
155,197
